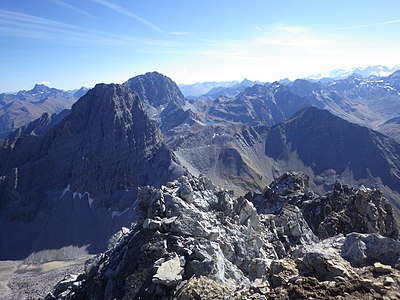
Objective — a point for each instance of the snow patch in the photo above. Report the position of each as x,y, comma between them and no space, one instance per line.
116,213
67,189
90,199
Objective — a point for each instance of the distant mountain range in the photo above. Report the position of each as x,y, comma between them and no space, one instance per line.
69,180
232,88
201,88
20,108
379,71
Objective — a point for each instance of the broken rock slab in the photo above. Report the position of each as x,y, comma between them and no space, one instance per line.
170,272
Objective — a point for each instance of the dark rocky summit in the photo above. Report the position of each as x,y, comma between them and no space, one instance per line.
162,100
96,156
193,240
156,89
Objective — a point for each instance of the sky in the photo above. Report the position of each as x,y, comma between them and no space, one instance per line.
72,43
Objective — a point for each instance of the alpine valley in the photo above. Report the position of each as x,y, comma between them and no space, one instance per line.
235,190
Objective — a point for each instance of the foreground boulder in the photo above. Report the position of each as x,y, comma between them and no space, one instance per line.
193,240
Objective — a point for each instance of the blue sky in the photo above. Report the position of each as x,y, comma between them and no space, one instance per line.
73,43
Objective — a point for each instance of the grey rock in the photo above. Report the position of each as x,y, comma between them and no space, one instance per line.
291,188
382,269
221,240
295,228
151,224
389,281
344,210
69,282
323,266
360,210
282,271
186,191
366,249
290,228
169,272
206,236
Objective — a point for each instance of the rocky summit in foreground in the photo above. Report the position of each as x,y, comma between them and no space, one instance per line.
193,240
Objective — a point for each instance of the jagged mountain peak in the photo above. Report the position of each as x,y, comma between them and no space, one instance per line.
107,108
255,89
91,163
162,100
80,92
156,89
103,94
303,87
246,83
40,88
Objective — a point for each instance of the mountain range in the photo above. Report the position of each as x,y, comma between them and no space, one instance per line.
200,88
379,71
119,137
20,108
72,178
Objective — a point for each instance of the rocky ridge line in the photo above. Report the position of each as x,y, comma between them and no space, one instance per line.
196,241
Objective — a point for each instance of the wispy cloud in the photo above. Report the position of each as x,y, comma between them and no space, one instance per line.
179,33
123,11
46,83
257,27
285,51
73,8
33,27
366,25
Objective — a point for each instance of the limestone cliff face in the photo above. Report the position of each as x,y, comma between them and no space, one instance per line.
105,148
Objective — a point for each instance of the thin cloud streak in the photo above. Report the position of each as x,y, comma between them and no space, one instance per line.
29,26
119,9
257,27
74,8
180,33
366,25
